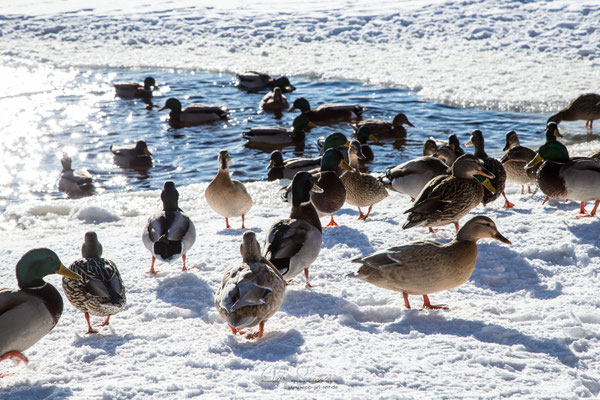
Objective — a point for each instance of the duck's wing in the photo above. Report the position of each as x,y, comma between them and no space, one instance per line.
405,255
101,278
431,196
127,85
284,240
156,226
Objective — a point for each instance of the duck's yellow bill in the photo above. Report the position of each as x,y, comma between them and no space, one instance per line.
469,143
317,189
536,160
310,124
345,165
488,185
498,236
64,271
373,139
292,109
271,164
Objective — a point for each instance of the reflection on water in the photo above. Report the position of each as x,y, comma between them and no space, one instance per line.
46,112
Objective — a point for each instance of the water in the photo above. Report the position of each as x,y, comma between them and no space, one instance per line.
47,111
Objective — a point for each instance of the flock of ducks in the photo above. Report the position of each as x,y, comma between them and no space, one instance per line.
444,184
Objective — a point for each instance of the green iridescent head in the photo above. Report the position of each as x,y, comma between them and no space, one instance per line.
332,159
363,134
36,264
276,160
335,140
301,104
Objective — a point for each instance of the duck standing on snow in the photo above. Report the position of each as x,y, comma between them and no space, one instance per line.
362,189
293,244
274,102
169,234
447,198
137,157
563,177
29,314
131,90
328,113
227,196
254,81
492,165
514,161
250,292
585,107
74,183
270,136
425,267
385,129
101,292
194,114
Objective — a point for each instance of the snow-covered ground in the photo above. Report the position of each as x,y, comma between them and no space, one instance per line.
525,325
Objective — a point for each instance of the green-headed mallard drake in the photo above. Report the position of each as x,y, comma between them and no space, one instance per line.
563,177
194,114
29,314
328,113
101,292
131,90
251,291
494,166
169,233
585,107
227,197
362,189
293,244
277,135
514,161
137,156
280,169
333,196
447,198
425,267
410,177
74,182
363,135
335,140
254,81
385,129
274,101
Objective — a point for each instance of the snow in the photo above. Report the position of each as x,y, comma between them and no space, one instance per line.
525,324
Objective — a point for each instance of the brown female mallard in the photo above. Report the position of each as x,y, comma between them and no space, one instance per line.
514,161
585,107
385,129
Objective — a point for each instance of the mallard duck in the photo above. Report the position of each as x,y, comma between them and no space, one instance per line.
446,154
493,165
130,90
277,135
363,135
361,189
455,145
410,177
328,113
194,114
384,129
250,292
293,244
74,183
563,177
274,101
255,81
137,157
585,107
29,314
429,147
169,234
227,196
280,169
514,161
447,198
336,140
101,292
425,267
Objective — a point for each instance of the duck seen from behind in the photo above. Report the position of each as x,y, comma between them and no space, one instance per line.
293,244
328,113
425,267
227,197
74,182
192,115
101,292
274,102
584,107
251,291
253,81
169,233
30,313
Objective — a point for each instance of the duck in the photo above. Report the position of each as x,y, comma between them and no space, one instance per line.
494,166
194,114
385,129
363,135
425,267
429,147
584,107
361,189
410,177
277,135
514,161
137,156
562,177
294,243
255,81
74,183
447,198
274,101
286,169
227,197
169,233
131,90
339,141
101,292
30,313
328,113
251,292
